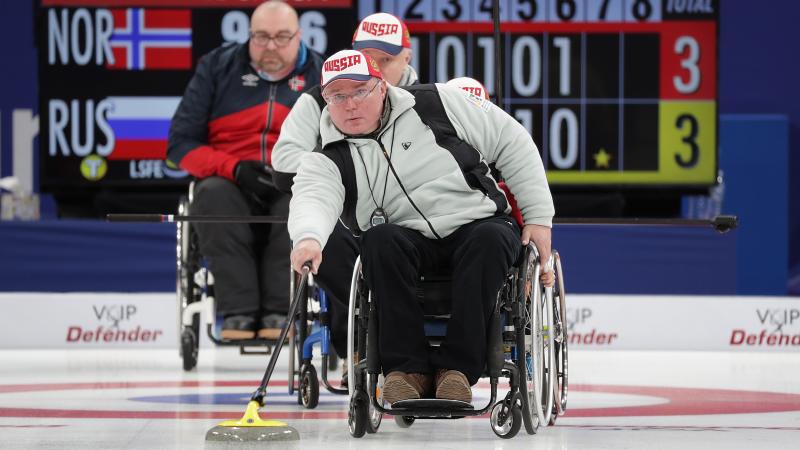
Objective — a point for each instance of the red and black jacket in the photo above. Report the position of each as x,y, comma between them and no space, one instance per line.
229,113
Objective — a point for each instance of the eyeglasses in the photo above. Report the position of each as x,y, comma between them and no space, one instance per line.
358,96
281,40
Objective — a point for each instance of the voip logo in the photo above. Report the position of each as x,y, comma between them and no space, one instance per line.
114,314
778,318
576,316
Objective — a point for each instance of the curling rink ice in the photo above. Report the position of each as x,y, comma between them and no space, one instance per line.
142,399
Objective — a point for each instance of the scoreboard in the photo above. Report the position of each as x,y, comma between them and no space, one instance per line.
614,92
112,72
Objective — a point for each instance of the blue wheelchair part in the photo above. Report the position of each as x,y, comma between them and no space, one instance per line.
320,334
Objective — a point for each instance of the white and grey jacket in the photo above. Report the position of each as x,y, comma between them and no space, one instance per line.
442,167
300,132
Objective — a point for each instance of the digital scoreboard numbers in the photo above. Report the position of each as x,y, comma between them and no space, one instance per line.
614,92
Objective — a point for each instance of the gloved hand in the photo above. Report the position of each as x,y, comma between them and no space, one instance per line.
255,179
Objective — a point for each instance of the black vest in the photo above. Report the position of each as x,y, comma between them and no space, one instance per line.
428,106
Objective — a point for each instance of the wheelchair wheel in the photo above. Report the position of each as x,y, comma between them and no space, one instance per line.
506,419
181,270
550,376
309,387
189,348
187,263
404,421
553,417
376,416
357,414
357,381
560,341
531,349
353,326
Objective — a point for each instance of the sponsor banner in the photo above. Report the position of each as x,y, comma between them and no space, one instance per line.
595,322
683,323
88,320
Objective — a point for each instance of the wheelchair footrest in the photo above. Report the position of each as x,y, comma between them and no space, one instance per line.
433,404
255,342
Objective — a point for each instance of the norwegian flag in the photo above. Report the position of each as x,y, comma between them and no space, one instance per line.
146,39
297,83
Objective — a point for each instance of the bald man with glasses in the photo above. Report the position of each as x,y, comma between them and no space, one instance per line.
223,134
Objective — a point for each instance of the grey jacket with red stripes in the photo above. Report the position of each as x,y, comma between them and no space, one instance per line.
229,113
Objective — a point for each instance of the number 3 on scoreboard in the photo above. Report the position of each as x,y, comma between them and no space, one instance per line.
690,139
687,141
689,64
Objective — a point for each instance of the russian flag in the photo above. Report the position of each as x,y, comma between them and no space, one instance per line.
140,126
145,39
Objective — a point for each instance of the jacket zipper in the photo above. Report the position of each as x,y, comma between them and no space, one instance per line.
399,183
270,101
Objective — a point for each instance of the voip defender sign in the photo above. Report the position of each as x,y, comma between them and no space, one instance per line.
114,323
88,320
770,328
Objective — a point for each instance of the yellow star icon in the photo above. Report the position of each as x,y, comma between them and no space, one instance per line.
602,158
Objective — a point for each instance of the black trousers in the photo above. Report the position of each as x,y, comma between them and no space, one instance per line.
334,275
479,256
250,262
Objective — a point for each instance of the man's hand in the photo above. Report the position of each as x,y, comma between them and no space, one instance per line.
540,235
256,179
305,251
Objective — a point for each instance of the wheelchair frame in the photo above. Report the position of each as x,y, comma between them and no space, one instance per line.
195,296
301,345
529,349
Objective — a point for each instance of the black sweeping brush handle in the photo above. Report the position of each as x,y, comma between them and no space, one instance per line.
261,392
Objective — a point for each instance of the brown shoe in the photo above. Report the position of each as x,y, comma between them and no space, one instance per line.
452,385
405,386
271,326
238,327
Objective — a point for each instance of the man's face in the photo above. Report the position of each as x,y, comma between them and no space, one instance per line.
270,56
353,116
392,66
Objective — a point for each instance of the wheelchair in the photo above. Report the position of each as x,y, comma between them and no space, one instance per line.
527,344
195,295
311,327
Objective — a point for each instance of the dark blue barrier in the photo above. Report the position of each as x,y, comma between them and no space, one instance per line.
754,155
73,255
646,260
62,256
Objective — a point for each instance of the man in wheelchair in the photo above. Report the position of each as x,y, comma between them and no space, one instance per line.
222,134
410,167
